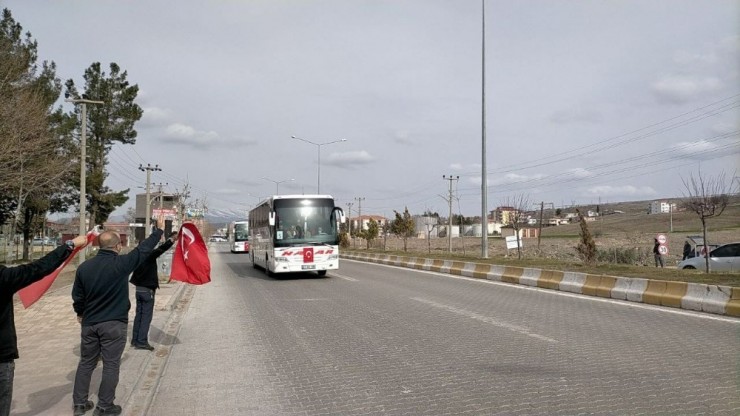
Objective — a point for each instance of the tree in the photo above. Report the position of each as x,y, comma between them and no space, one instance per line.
586,247
403,226
520,203
34,157
371,233
707,197
108,124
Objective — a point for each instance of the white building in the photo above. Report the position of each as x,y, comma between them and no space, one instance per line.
661,207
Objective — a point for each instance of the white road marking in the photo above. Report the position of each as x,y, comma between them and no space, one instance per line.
341,276
487,319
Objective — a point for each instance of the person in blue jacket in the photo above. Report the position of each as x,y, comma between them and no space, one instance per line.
101,302
146,280
13,279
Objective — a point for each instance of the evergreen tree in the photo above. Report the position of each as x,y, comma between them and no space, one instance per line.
587,247
108,124
403,226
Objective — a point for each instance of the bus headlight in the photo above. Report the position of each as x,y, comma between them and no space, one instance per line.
281,259
333,257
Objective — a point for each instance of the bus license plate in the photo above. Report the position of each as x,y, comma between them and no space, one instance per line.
308,267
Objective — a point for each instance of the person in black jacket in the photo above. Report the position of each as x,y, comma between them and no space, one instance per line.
13,279
146,280
101,302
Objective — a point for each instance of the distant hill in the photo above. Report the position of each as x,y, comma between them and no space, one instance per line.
634,218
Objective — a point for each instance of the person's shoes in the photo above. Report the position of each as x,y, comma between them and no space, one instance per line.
113,410
81,409
144,347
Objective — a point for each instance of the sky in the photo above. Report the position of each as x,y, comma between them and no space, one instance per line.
586,102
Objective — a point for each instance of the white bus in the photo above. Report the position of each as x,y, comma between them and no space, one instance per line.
295,233
239,237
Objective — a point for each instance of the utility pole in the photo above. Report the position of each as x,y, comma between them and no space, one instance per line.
359,212
449,218
349,218
542,209
148,169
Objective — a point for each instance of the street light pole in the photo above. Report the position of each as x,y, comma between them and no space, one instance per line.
83,165
318,158
277,184
484,168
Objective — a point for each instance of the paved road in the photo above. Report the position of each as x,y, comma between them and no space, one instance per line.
378,340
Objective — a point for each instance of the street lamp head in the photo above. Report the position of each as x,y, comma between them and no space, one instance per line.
293,137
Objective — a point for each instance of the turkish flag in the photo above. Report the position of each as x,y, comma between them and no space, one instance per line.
190,262
308,255
33,292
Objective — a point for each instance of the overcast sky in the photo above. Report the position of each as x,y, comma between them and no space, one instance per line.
586,101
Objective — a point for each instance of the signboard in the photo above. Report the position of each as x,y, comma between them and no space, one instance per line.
663,249
136,224
662,239
511,242
164,212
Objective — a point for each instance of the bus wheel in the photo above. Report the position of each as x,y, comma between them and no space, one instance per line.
322,272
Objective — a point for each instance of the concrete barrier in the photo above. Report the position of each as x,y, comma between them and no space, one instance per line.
721,300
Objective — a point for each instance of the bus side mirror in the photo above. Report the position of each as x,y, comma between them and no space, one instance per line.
272,219
342,218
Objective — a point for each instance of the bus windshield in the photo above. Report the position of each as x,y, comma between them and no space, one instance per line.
305,221
241,231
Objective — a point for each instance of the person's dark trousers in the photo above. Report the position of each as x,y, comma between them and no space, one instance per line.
107,340
143,319
7,370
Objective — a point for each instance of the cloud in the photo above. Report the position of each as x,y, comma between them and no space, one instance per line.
579,173
621,191
514,178
349,159
679,89
155,117
182,134
697,150
699,73
456,166
402,137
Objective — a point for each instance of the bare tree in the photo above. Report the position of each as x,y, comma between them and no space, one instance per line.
707,197
520,204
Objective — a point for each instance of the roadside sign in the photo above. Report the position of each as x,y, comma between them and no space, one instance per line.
135,224
511,242
663,249
662,238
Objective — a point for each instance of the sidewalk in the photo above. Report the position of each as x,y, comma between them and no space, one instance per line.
49,348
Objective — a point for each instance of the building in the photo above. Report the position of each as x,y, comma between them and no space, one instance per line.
160,203
661,207
362,222
504,215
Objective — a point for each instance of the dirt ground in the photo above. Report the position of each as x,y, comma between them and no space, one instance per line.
558,248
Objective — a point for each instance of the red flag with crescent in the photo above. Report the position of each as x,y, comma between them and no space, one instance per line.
308,255
190,262
33,292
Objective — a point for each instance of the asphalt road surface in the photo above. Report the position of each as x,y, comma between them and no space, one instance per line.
378,340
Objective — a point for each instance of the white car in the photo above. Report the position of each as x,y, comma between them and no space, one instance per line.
725,258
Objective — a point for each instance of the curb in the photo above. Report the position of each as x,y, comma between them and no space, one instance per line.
715,299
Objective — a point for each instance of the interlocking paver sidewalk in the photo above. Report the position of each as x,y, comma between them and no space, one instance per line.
48,343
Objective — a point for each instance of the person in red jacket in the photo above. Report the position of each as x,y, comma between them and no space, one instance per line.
146,280
13,279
